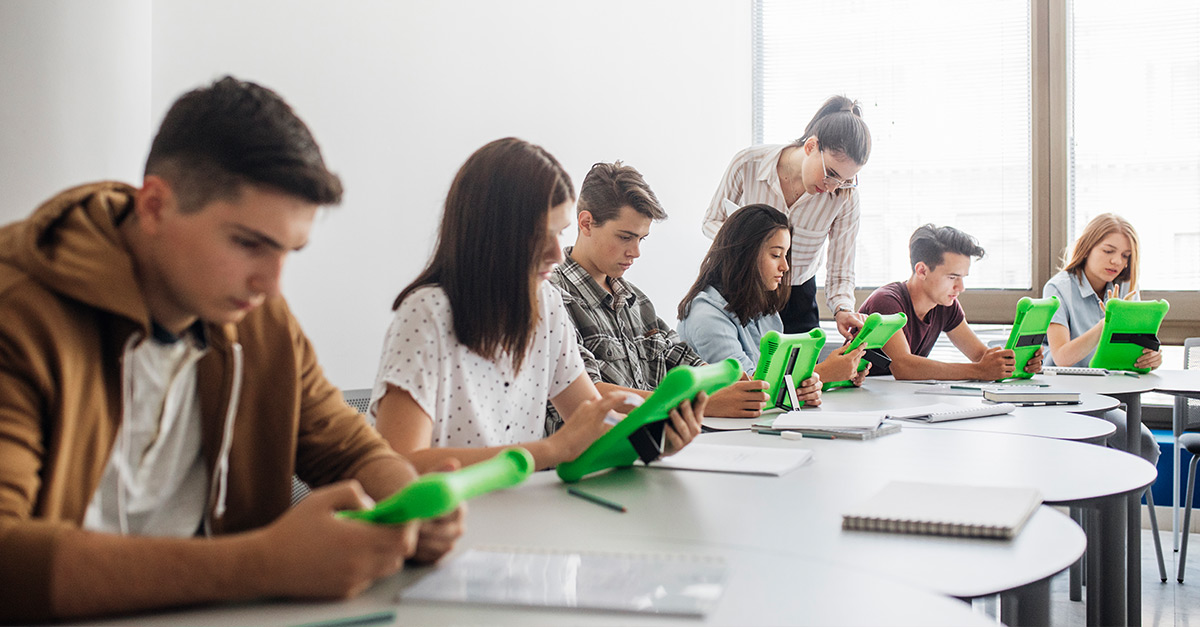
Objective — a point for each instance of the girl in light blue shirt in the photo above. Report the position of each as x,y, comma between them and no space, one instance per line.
1103,265
742,287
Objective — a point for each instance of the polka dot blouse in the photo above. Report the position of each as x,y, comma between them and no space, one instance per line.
475,401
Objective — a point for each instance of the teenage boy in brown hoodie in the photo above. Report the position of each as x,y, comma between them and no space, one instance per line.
155,389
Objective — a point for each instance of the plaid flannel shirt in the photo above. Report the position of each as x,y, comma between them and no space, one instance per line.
621,338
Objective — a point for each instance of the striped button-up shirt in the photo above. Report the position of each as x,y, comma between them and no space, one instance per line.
752,177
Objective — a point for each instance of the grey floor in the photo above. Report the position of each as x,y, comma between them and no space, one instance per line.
1163,604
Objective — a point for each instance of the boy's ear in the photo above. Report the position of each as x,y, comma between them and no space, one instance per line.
152,202
921,270
586,222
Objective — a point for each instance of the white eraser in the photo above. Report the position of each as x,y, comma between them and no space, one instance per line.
791,435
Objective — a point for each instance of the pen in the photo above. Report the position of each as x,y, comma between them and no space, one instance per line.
374,618
1130,374
796,435
596,499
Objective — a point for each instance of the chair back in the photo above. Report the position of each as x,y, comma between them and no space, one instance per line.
357,399
1188,409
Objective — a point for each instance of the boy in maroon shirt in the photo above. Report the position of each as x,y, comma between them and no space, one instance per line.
941,259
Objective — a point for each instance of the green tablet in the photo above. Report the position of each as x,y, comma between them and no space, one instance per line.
876,330
1129,326
439,493
640,434
783,354
1029,331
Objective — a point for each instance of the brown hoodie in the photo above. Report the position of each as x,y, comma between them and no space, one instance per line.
69,303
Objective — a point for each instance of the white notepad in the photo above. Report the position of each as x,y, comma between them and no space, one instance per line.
941,412
946,509
750,460
655,583
826,419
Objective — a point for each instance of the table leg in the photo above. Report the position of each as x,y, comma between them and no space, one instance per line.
1176,430
1091,562
1133,546
1075,576
1026,605
1108,581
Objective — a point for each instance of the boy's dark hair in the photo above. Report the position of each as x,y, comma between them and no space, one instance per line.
732,267
216,138
930,244
490,242
610,186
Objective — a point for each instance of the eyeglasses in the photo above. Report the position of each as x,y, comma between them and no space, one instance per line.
833,181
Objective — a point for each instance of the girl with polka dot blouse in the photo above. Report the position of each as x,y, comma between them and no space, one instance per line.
480,341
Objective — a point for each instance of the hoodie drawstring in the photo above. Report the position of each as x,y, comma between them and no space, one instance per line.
221,479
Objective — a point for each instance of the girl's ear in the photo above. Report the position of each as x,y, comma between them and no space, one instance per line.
811,144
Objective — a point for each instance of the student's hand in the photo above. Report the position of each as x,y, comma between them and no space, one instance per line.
809,391
1034,365
1149,359
848,323
438,535
1115,292
840,367
860,376
685,423
741,399
996,363
308,553
586,424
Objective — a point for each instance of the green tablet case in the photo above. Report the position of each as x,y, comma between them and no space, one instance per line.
876,330
1129,326
1029,331
640,434
781,354
439,493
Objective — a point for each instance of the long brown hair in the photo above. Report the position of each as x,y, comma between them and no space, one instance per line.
731,264
489,243
1099,228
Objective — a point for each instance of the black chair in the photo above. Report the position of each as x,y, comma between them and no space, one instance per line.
359,400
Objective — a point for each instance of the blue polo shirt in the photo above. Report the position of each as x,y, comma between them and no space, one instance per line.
1078,307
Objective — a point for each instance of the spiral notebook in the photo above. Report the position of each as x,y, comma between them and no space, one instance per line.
946,510
647,582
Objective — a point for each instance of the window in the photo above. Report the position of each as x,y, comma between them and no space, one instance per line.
1135,129
1016,121
945,89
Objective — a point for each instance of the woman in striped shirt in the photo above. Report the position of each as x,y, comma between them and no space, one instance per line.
813,181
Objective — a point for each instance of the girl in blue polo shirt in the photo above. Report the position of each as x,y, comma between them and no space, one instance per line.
742,287
1103,265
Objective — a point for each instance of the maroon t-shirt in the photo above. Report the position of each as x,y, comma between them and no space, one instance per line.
921,334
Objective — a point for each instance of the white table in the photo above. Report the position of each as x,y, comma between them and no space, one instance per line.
761,588
1067,473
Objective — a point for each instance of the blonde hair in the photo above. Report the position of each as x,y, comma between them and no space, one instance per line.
1099,228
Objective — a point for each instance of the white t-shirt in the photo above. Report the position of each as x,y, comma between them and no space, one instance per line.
476,401
156,482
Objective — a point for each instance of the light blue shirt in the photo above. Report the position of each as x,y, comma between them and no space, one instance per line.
1079,308
717,334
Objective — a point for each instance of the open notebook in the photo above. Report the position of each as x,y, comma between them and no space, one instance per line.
945,509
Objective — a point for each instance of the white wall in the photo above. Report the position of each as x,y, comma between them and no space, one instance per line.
400,93
74,96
